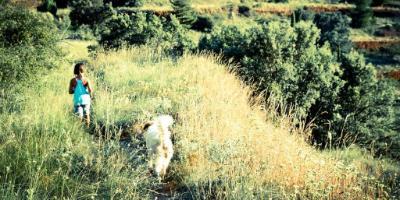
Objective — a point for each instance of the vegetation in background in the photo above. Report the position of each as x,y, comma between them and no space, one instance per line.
335,30
362,14
48,6
28,45
141,28
184,12
343,99
88,12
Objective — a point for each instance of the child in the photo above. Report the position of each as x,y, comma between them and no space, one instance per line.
82,90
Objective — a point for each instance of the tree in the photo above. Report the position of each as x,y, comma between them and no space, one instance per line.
141,28
184,11
28,45
88,12
335,29
340,95
362,14
286,64
48,6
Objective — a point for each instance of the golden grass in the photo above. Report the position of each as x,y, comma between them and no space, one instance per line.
221,136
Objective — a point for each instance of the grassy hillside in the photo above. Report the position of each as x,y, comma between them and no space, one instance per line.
226,147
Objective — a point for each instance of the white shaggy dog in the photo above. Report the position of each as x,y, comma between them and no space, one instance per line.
159,144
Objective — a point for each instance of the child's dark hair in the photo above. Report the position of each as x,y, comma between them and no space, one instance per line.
79,68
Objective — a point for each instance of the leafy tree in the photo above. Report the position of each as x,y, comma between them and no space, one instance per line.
184,11
344,100
287,63
302,14
141,28
48,6
88,12
335,29
28,44
362,14
366,111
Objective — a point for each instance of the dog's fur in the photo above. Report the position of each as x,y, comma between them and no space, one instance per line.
159,144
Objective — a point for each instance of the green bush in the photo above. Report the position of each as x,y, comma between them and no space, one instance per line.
244,10
48,6
203,24
28,45
335,29
287,63
88,12
302,14
344,100
141,28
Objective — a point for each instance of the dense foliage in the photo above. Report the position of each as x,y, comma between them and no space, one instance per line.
28,44
335,29
286,64
362,14
88,12
343,99
141,28
203,24
184,12
48,6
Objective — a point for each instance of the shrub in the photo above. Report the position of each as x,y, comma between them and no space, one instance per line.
83,32
88,12
344,100
283,63
48,6
28,44
244,10
365,112
335,29
144,28
302,14
203,24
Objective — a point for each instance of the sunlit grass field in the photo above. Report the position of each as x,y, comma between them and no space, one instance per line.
228,144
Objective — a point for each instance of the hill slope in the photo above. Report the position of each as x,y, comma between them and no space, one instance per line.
225,146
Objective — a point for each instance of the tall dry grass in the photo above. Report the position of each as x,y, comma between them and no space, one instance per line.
225,147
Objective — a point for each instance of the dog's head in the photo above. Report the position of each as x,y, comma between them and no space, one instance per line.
141,128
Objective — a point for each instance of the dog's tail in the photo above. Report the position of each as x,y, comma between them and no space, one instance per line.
165,120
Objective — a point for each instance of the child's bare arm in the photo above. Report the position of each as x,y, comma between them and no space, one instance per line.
89,86
71,86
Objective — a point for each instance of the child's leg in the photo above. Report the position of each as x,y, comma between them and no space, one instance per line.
79,111
87,114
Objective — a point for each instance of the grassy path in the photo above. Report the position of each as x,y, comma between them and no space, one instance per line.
225,147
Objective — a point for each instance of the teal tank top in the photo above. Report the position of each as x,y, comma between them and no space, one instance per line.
81,94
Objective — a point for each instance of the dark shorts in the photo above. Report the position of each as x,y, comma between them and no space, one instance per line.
82,110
